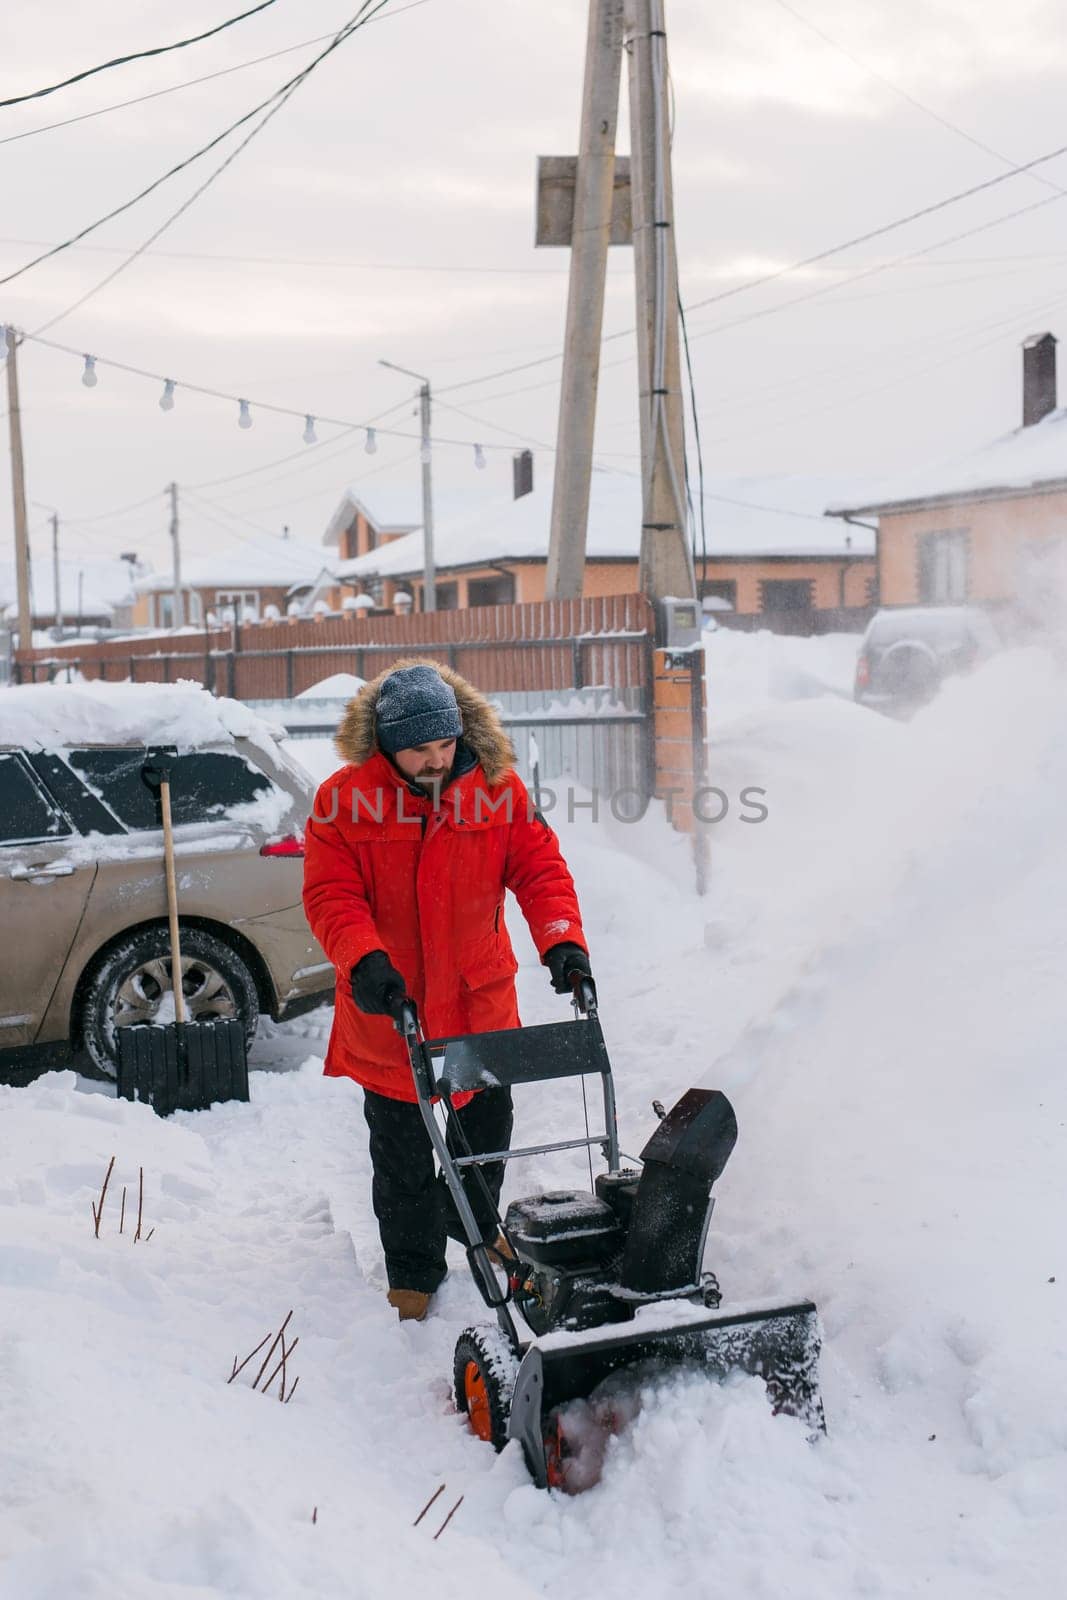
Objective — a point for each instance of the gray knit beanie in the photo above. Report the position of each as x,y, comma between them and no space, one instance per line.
415,706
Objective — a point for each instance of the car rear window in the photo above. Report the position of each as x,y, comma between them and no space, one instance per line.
204,785
935,627
25,813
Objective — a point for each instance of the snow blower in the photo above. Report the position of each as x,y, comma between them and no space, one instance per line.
607,1282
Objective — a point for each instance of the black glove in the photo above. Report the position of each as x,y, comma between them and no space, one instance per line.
377,987
564,962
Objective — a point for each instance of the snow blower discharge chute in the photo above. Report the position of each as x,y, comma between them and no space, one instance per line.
605,1282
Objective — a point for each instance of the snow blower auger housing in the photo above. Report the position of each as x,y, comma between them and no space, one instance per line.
588,1270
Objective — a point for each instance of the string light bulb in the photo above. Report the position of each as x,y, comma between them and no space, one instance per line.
89,377
166,399
371,445
244,418
425,453
479,457
310,436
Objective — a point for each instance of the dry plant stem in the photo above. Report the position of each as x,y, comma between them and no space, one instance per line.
428,1504
271,1351
98,1210
149,1234
314,1509
285,1356
292,1391
247,1359
140,1202
448,1519
281,1367
122,1213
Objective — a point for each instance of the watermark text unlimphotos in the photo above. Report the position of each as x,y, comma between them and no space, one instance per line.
627,803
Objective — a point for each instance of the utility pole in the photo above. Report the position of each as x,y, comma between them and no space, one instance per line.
58,618
666,566
429,571
177,607
593,196
18,493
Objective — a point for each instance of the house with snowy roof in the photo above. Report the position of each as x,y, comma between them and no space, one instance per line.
93,593
772,559
244,580
986,528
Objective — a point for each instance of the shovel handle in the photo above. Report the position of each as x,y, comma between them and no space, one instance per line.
172,899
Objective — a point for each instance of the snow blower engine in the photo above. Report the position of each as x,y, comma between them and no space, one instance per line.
604,1281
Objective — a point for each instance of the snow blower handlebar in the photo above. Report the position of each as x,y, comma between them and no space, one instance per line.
500,1059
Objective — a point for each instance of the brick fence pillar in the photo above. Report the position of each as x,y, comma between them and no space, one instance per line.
679,730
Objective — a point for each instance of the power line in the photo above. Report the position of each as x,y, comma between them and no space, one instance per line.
116,511
296,500
807,261
285,89
889,227
157,94
696,436
190,83
137,55
870,272
1023,318
303,261
217,394
322,451
904,94
192,199
785,305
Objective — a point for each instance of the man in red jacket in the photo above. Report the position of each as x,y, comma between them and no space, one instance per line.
408,853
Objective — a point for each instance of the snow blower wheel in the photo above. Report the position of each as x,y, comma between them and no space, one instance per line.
484,1376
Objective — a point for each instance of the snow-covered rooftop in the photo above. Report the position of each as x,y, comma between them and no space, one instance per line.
103,587
390,509
745,517
1025,459
264,559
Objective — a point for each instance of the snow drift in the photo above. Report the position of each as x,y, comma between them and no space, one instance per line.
875,979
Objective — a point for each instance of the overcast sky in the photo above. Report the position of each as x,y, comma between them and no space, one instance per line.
387,210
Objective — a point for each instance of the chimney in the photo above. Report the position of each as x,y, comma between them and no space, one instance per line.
1039,377
522,473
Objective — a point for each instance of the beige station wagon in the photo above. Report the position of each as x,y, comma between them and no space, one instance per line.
82,892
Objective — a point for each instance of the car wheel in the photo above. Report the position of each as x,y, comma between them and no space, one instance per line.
132,984
910,675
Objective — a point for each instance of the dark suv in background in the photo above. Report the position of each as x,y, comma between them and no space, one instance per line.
906,654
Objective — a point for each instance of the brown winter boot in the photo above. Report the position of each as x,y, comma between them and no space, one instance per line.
411,1305
501,1249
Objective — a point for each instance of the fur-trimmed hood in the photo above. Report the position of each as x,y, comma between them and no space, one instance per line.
356,740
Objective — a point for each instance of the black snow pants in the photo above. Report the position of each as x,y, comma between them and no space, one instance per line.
414,1209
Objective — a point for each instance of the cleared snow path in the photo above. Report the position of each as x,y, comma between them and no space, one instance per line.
877,981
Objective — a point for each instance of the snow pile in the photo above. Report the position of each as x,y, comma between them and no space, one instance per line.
339,686
130,1465
875,978
55,716
746,670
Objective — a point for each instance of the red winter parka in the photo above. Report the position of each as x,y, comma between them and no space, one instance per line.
384,870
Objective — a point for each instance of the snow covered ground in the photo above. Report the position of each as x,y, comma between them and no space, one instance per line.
876,980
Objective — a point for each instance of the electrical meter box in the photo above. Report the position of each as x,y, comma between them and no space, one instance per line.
680,621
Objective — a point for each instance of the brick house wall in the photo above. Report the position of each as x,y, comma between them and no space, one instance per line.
1003,540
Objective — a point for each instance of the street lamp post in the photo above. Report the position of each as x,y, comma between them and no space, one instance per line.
429,575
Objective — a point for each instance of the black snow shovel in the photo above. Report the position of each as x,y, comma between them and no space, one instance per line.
181,1065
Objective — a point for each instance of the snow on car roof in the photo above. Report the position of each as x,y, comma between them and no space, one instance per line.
56,716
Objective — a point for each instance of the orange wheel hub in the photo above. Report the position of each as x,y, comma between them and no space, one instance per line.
477,1399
